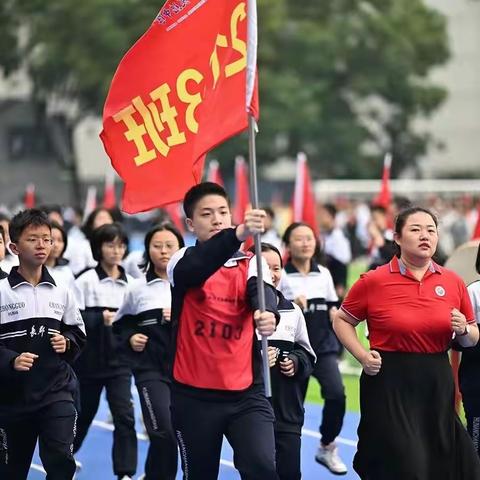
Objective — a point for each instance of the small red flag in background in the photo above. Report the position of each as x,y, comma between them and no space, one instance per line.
304,206
214,175
174,211
109,197
29,198
177,93
242,192
384,198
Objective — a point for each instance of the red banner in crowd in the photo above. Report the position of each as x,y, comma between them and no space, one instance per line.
176,94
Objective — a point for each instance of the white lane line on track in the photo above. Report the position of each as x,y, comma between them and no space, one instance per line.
344,441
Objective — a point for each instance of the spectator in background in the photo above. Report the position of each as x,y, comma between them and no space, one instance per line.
271,235
336,247
54,213
57,265
382,248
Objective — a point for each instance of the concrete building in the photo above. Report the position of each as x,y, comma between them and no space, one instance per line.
457,123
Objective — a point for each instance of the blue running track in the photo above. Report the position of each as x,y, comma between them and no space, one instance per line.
95,454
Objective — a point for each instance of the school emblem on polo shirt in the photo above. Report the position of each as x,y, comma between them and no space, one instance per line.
440,291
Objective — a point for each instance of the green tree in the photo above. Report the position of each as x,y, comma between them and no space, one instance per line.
343,81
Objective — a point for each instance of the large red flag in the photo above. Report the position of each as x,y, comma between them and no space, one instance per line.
304,206
214,175
242,192
178,92
384,197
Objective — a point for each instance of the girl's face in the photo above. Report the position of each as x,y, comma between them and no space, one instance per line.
161,248
113,252
275,265
2,248
419,237
302,243
58,244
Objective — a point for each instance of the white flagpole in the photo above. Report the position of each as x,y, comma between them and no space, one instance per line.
252,163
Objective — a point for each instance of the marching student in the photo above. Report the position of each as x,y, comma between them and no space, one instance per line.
469,367
57,265
291,360
2,251
9,260
41,333
143,321
217,384
79,252
311,287
101,291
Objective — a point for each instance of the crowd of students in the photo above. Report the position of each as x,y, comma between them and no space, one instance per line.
78,316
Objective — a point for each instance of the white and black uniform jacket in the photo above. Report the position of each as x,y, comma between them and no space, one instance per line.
96,292
317,286
142,312
29,316
291,340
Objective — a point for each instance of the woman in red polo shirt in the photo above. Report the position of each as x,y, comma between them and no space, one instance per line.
408,428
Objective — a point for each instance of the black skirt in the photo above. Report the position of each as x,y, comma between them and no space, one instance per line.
408,427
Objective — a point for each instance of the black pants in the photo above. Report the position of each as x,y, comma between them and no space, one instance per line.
162,457
471,404
287,446
119,398
246,422
54,426
333,392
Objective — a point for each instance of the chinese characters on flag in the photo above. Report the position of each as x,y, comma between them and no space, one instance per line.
176,94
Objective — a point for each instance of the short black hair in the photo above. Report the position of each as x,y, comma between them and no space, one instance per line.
106,233
57,226
378,208
27,218
146,260
197,192
269,211
268,247
88,225
331,209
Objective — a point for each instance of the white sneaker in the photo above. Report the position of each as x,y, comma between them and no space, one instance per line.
328,457
126,477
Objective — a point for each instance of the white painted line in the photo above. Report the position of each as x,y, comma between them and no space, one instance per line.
345,441
38,468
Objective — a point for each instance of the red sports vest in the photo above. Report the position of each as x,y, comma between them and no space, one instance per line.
216,332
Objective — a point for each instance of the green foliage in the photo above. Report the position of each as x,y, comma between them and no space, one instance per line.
335,77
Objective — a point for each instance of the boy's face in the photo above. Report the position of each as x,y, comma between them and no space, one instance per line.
34,245
210,215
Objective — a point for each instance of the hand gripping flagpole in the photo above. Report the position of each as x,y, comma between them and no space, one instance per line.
252,165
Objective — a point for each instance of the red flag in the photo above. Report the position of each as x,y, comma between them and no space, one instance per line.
214,174
29,199
384,198
174,212
476,231
304,206
242,192
109,197
178,92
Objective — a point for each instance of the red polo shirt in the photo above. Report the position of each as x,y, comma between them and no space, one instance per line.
405,314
